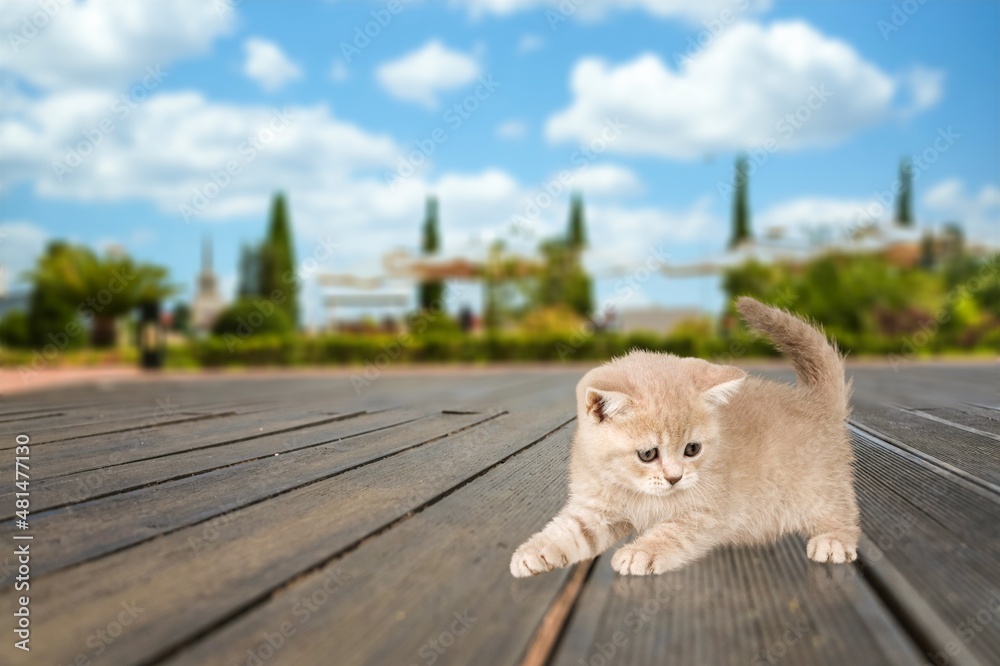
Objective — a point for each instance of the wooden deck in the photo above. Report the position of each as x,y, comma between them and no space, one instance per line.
294,520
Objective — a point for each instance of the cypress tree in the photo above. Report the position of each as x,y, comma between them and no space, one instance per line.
576,237
430,291
928,255
277,265
431,241
741,207
904,214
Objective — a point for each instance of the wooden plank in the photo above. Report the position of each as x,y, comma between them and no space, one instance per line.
99,426
99,452
62,491
918,385
449,561
86,531
977,455
17,422
258,548
941,533
735,606
970,417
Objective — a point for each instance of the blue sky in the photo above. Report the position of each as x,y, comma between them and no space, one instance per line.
886,87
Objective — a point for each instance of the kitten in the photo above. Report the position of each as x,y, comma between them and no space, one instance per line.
693,455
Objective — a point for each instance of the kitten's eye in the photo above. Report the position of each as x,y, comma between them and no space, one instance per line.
692,449
648,455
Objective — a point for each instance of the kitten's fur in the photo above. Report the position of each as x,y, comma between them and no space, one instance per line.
774,458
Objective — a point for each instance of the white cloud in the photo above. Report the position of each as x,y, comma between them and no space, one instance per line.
529,43
807,216
926,87
104,43
557,10
978,213
267,64
752,85
21,243
512,129
420,75
629,234
607,180
170,145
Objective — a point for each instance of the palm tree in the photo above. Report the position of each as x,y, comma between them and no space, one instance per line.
98,289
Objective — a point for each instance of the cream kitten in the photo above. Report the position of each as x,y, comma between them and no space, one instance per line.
694,455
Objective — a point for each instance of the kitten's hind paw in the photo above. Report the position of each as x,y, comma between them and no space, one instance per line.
831,548
537,556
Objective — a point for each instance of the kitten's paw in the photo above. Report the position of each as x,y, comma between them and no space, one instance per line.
537,556
831,548
633,560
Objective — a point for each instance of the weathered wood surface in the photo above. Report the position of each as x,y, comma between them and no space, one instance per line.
315,519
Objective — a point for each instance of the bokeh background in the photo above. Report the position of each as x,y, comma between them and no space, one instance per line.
475,180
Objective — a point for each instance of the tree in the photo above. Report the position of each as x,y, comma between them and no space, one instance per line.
276,262
430,291
247,317
904,215
431,239
249,284
928,253
741,206
576,236
71,282
14,329
181,320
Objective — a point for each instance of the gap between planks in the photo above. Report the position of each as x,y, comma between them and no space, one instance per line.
259,500
261,598
178,477
917,618
300,426
985,488
544,642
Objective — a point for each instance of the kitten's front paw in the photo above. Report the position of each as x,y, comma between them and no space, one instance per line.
537,555
633,560
830,548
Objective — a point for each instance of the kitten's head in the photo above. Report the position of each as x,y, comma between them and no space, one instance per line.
649,422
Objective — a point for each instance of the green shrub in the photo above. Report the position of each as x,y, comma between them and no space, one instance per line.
249,317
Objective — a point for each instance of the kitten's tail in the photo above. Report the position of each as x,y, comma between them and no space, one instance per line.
818,364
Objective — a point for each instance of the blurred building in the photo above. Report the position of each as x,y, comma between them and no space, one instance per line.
207,304
654,319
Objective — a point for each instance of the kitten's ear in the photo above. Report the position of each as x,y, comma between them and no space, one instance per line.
603,405
725,381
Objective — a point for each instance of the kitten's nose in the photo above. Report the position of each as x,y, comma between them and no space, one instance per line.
673,479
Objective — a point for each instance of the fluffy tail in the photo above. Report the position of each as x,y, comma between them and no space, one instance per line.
818,364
